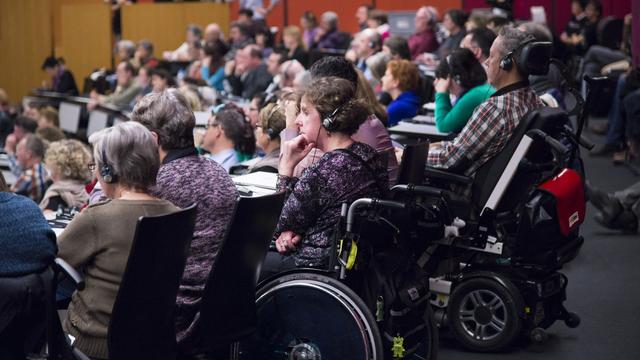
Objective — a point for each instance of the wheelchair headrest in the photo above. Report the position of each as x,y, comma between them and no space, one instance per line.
534,58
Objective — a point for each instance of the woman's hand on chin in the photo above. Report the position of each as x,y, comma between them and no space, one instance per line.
287,241
293,151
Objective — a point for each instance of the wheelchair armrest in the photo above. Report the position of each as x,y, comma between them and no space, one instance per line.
434,173
69,272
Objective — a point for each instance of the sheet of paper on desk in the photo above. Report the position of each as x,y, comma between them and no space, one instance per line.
258,179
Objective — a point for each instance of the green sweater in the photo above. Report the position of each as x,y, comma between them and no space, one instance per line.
453,119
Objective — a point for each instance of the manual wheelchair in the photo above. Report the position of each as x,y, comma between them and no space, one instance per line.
371,302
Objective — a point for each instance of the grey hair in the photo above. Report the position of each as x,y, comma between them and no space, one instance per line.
512,38
330,17
539,31
377,63
169,115
36,145
130,151
129,46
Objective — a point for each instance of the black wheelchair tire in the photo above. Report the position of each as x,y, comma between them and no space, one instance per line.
504,314
432,334
339,294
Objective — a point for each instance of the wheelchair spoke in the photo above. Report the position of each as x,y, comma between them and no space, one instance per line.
483,332
495,303
466,315
476,299
497,324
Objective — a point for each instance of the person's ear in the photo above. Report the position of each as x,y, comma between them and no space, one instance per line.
155,137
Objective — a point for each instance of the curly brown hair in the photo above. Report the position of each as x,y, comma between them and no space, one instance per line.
329,94
70,158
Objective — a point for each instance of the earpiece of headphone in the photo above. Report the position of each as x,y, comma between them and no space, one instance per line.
269,130
329,122
106,171
506,63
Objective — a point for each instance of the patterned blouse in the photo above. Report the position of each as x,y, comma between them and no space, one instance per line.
314,200
185,178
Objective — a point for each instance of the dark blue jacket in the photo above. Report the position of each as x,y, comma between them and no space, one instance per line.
28,244
404,106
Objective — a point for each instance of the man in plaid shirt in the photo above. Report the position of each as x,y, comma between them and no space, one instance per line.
33,178
493,121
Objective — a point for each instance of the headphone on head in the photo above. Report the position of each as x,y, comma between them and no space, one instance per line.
329,122
106,171
269,130
506,63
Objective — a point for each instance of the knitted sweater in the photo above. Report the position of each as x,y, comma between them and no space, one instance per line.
186,178
98,241
27,242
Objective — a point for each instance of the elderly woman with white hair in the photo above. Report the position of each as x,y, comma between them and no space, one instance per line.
126,165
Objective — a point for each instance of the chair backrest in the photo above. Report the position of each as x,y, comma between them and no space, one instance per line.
228,310
412,165
142,320
487,176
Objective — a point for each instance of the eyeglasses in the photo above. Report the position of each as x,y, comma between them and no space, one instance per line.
212,125
91,166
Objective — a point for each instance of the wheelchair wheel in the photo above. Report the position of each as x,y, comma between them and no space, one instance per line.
312,316
483,315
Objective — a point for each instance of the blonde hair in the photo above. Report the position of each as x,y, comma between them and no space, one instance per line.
295,32
272,117
70,158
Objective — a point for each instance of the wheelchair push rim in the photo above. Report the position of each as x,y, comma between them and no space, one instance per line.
312,316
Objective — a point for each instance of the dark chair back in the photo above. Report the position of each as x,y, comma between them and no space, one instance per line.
412,165
486,177
609,32
142,321
228,311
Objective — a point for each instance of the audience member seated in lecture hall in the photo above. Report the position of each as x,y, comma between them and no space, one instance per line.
492,123
28,248
126,90
570,37
62,80
459,75
401,82
68,164
126,164
294,45
49,125
33,178
424,39
22,127
184,179
212,69
271,123
328,35
144,55
371,132
185,51
309,25
454,22
479,41
348,170
229,138
161,80
247,75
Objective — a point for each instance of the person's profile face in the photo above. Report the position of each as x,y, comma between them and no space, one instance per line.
308,120
51,71
492,64
22,154
388,82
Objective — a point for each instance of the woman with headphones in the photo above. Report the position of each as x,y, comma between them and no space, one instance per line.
271,122
329,115
462,76
98,240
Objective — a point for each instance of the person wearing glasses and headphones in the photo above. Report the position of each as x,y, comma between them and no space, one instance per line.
271,122
492,122
329,115
464,78
98,240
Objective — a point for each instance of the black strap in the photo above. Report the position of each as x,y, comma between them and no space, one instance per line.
365,165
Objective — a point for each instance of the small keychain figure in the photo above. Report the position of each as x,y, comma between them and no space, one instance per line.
398,347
